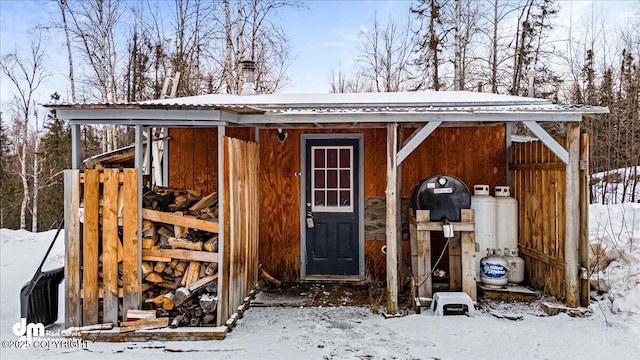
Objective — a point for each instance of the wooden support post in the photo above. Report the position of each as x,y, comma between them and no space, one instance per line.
401,267
468,249
583,248
392,219
571,268
455,263
424,278
223,285
73,307
75,147
90,247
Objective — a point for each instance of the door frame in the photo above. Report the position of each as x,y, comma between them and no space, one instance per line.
303,198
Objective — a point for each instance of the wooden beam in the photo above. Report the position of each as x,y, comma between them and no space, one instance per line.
168,218
468,249
393,202
76,161
416,139
425,281
583,248
73,308
572,234
437,226
223,288
179,334
189,255
549,141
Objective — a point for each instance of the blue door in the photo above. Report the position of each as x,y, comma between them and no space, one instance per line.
332,211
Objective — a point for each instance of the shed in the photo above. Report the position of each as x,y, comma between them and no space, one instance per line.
334,168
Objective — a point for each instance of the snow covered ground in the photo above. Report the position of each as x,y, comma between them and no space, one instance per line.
611,332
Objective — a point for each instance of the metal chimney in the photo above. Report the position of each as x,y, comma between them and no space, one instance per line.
248,68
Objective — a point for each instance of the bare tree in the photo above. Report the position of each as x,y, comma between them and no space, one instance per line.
385,56
63,12
26,75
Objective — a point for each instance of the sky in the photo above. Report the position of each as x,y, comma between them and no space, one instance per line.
323,35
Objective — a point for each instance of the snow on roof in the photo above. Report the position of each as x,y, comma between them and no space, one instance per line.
406,99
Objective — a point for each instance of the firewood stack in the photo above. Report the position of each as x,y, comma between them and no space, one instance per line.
181,284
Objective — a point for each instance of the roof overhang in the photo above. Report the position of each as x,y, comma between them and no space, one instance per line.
326,110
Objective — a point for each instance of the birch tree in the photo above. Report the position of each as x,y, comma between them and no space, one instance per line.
26,75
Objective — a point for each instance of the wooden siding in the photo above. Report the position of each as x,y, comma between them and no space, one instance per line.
193,156
474,154
539,185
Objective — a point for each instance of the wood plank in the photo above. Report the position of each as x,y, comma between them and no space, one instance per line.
468,246
90,246
223,212
437,226
179,334
189,255
131,278
146,324
167,218
424,278
73,305
555,165
110,242
572,224
235,240
392,200
102,177
455,263
583,248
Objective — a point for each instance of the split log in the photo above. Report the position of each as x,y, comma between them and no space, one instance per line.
148,242
148,229
146,268
167,285
265,275
211,269
159,267
184,293
133,314
169,271
146,324
164,232
204,203
208,302
76,329
179,243
211,245
180,231
154,278
207,319
167,301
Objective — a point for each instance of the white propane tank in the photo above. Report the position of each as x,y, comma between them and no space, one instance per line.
484,207
515,264
494,271
506,218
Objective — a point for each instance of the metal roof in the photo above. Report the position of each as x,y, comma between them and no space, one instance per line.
335,108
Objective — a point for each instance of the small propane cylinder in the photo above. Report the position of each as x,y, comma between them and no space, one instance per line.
506,218
494,271
515,264
484,206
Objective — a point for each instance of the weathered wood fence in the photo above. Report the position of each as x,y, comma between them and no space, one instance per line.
99,206
102,220
539,185
241,209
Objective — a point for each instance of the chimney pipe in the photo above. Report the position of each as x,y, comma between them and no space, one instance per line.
248,68
531,74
